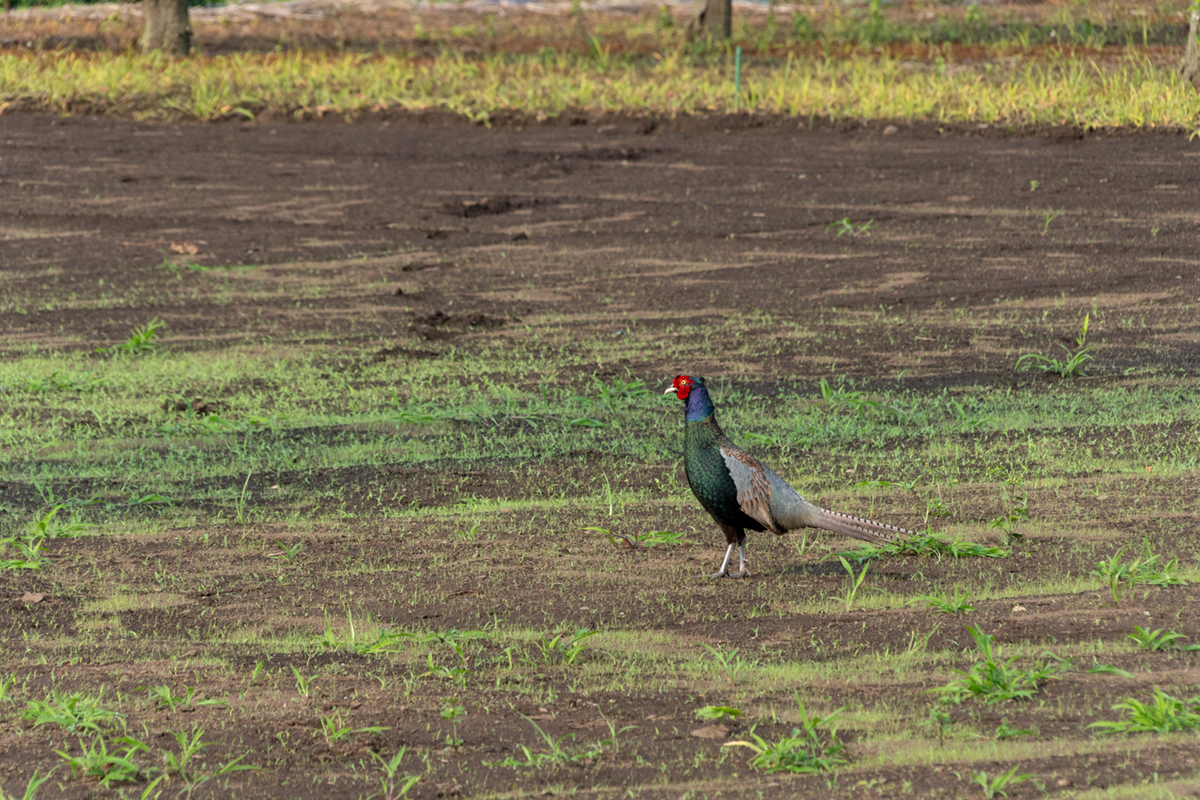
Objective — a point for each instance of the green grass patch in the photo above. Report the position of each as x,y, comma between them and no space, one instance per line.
812,747
927,544
994,679
1163,714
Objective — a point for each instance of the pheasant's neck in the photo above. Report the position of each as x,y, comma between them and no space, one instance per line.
701,434
699,406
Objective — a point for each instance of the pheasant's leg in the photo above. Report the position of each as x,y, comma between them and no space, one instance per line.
742,571
723,572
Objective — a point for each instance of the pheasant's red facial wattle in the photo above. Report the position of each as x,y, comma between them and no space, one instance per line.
682,385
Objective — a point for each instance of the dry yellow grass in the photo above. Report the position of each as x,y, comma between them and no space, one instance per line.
1132,92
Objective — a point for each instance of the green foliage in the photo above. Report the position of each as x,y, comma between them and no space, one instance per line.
958,603
855,401
933,544
29,548
1159,639
213,424
612,401
729,661
55,382
640,539
454,640
151,499
75,713
29,551
334,728
5,684
164,698
1072,367
555,751
1145,569
875,28
1016,500
994,680
452,712
844,226
289,553
188,765
140,342
802,28
997,785
31,787
808,749
386,641
303,685
183,763
968,421
717,713
909,486
469,534
939,721
1003,731
851,591
619,393
173,266
1164,714
392,787
1049,217
96,761
665,19
563,648
1108,669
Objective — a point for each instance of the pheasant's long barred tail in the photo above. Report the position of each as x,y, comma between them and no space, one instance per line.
867,530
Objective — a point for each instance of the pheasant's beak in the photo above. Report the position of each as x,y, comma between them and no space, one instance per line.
671,390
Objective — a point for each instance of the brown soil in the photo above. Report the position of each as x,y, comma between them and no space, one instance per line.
412,233
405,216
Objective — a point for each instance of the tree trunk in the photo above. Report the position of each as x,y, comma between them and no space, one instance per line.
1190,69
712,17
167,27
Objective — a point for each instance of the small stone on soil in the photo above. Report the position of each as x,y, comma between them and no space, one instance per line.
710,732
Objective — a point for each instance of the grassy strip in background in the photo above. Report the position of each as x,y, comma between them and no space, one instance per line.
1133,92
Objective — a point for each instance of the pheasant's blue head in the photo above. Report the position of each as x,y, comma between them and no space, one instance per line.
691,391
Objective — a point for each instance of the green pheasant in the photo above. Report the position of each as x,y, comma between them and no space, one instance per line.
740,492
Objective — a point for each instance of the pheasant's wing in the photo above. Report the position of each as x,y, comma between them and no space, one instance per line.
753,488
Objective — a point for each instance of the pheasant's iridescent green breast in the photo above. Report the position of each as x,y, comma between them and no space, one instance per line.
709,476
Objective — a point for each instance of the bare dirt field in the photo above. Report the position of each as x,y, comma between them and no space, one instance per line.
339,503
